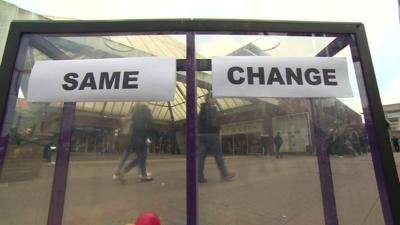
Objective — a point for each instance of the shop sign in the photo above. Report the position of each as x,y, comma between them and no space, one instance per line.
246,127
101,80
294,77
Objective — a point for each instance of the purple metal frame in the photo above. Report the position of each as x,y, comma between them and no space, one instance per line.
324,164
324,167
376,157
191,159
61,171
12,99
56,207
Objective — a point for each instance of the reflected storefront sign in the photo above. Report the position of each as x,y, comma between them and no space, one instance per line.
246,127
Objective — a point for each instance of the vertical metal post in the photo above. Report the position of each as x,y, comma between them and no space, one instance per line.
61,170
324,164
382,157
63,149
191,159
12,97
324,167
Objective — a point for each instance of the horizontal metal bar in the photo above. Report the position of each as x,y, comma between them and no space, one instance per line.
201,65
176,26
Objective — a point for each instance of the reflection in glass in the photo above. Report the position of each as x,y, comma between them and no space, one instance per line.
285,188
27,173
100,136
267,188
103,186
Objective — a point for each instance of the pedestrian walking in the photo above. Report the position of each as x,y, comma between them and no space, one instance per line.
209,139
122,142
355,142
141,129
332,141
278,143
47,152
395,142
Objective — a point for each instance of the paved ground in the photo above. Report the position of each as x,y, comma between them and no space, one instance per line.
265,191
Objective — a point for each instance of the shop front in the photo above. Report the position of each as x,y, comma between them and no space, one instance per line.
243,137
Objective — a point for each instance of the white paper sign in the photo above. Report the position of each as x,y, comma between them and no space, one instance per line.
100,80
266,76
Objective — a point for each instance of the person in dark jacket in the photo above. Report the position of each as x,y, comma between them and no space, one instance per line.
47,152
332,141
395,142
209,139
141,129
278,143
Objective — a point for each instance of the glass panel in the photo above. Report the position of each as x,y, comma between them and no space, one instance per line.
27,174
164,113
280,185
222,103
181,97
98,107
181,112
355,186
126,108
92,195
117,108
157,110
108,107
268,184
177,114
79,106
103,134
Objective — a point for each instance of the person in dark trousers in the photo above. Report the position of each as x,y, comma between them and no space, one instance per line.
332,141
122,144
209,139
264,144
47,152
362,139
395,142
177,149
141,129
278,143
355,142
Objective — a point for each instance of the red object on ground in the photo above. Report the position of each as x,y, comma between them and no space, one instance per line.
148,218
